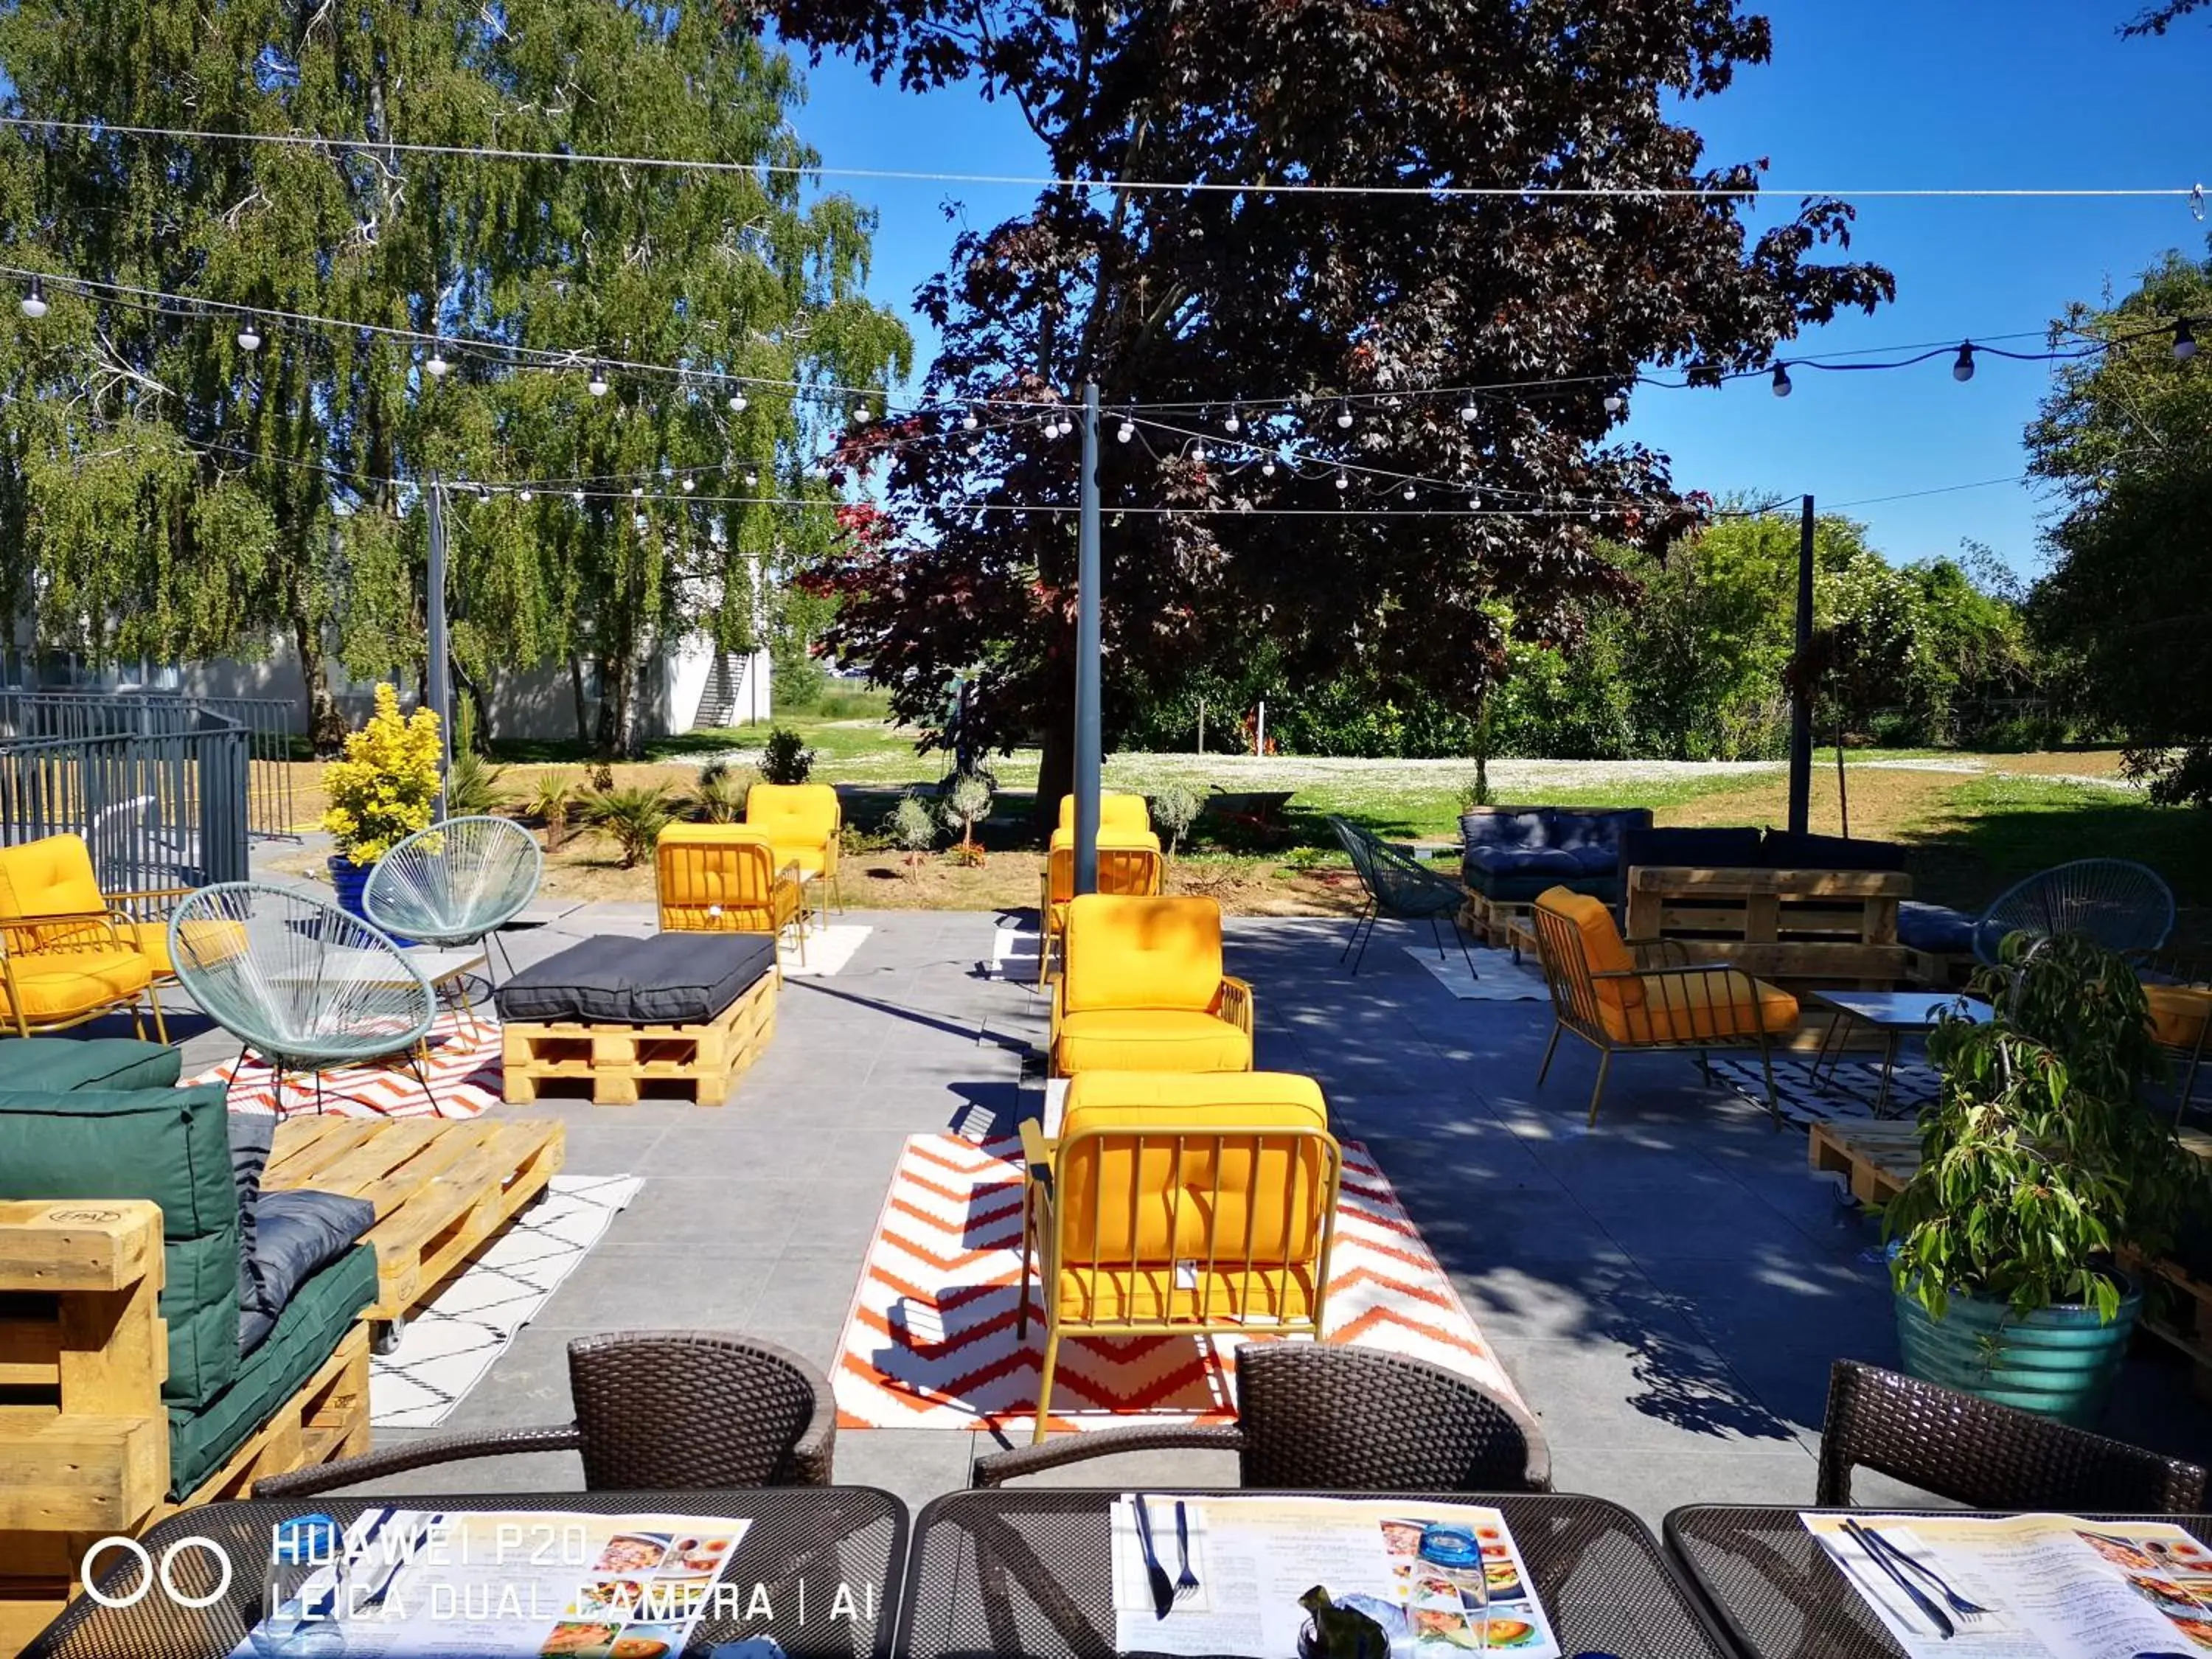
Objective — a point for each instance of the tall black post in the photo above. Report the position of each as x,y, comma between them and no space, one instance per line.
441,675
1089,748
1800,690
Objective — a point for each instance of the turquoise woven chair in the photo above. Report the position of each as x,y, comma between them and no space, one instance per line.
457,883
298,982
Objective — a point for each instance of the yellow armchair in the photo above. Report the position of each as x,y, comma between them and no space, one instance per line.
1141,990
1115,812
1179,1204
68,952
1129,864
803,821
1622,994
725,879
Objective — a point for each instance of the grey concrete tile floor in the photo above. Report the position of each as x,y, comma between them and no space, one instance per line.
1667,1288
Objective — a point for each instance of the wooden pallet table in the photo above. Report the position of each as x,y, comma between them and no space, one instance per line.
1494,921
442,1187
619,1061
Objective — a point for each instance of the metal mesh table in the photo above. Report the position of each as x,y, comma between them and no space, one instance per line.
1030,1571
803,1540
1779,1594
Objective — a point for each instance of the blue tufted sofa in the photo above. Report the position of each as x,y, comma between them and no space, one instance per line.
1513,852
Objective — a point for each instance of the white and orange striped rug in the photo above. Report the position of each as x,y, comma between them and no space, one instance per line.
464,1073
929,1340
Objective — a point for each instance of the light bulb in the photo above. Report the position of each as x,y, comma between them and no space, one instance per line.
1124,432
753,479
967,421
2184,340
1963,370
1615,403
483,492
1268,467
1343,483
736,403
35,302
1782,387
435,364
1232,422
1344,413
1066,425
1474,503
862,415
577,497
249,337
1468,412
526,495
636,490
597,386
688,485
1408,492
1200,455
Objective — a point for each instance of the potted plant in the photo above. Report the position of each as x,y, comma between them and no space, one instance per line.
382,792
2041,1167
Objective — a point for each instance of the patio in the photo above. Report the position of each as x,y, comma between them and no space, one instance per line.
1666,1290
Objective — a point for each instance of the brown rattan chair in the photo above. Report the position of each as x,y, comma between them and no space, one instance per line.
1322,1417
1985,1455
656,1410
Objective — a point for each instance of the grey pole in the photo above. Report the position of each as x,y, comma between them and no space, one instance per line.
442,687
1801,695
1088,746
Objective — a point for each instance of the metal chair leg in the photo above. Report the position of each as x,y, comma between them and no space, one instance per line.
161,1025
1767,1065
1044,1380
1604,1063
1365,911
1361,955
1437,933
1550,1049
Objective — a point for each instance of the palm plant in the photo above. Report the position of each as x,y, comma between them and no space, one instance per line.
552,801
632,819
720,795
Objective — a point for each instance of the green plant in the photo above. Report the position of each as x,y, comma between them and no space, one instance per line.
967,803
912,827
551,801
785,758
472,786
603,776
632,819
719,796
2041,1162
382,792
1174,809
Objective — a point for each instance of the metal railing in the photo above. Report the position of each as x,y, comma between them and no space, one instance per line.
158,789
270,808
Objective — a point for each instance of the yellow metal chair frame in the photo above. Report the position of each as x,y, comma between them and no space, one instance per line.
1225,1271
122,917
722,879
1127,872
2188,984
27,941
1710,993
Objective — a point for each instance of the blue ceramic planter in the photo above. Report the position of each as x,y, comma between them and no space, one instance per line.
2057,1361
351,879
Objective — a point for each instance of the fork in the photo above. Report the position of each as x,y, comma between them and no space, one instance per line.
1186,1581
1968,1611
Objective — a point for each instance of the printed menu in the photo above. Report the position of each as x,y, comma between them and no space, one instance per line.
1256,1557
549,1584
2027,1587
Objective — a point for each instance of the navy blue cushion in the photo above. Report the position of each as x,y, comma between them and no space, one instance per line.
1707,849
296,1235
1597,858
1936,928
1522,860
1781,850
1506,826
251,1136
1575,831
670,979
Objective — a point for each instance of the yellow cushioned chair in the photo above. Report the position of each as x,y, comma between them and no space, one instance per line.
725,879
1115,812
2180,1022
68,952
1619,994
1179,1204
1141,990
803,821
1129,864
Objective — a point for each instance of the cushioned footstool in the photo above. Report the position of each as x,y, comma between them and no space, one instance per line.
690,1009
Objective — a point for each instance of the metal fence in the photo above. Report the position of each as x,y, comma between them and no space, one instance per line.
269,804
158,787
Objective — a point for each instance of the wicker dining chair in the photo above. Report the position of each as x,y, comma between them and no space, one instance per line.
655,1410
1320,1417
1985,1455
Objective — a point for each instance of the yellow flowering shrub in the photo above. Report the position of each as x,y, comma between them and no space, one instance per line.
385,789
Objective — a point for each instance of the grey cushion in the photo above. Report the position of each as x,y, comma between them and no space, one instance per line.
297,1234
251,1134
670,979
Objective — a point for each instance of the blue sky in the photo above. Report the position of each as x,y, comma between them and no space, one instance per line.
1868,95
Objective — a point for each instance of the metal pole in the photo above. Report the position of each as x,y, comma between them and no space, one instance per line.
1801,695
441,690
1088,756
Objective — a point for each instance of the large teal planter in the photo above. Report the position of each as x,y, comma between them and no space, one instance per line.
2056,1362
351,879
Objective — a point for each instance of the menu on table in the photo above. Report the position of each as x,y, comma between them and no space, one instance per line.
520,1584
1256,1557
2027,1587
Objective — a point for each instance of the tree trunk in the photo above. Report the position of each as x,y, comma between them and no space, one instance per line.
583,704
618,738
326,727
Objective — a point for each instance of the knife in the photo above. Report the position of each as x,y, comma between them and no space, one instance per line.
1156,1576
1868,1541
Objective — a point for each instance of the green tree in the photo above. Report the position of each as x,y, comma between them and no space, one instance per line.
2126,437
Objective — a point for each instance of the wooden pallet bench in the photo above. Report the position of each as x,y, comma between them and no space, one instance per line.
442,1187
620,1061
1793,927
1493,921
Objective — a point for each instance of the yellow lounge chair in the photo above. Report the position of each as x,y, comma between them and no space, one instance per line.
803,821
1115,812
725,879
1129,864
1141,990
58,932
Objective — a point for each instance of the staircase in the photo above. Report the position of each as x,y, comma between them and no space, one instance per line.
723,700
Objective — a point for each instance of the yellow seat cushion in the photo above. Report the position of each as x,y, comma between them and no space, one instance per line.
1104,1295
62,984
800,820
1603,949
1115,812
2177,1014
211,939
1685,1007
1124,1096
1154,953
1152,1039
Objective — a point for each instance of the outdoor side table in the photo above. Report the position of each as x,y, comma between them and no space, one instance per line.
1779,1594
1029,1570
810,1538
1896,1015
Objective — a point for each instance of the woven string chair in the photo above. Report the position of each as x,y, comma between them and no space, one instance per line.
458,882
655,1410
2121,905
1985,1455
1396,883
1331,1418
299,982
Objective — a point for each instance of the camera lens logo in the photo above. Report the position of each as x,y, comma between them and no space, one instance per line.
151,1571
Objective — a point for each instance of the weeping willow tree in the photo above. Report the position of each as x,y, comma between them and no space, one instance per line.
170,493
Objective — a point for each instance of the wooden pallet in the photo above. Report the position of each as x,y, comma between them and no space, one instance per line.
620,1060
442,1187
1494,920
1874,1156
1794,927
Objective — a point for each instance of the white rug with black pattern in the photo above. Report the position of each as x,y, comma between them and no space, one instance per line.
447,1347
1849,1091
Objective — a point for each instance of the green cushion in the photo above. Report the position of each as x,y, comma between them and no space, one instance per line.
171,1147
64,1063
307,1334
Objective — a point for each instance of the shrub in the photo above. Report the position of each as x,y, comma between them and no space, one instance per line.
720,795
552,801
966,803
1174,809
603,776
785,758
384,790
632,819
912,826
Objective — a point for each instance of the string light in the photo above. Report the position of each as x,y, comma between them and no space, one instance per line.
688,485
577,497
1268,467
1408,492
862,415
1343,415
1615,402
1200,453
1782,387
1963,370
249,337
435,364
525,494
636,490
597,386
1233,423
1343,483
2184,340
968,423
1468,412
753,479
35,302
736,403
1124,432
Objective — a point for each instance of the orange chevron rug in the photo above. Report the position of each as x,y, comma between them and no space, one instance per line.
463,1074
929,1341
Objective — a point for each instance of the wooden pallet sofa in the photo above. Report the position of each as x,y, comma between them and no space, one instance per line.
145,1365
1510,855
